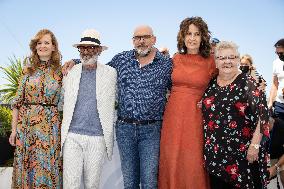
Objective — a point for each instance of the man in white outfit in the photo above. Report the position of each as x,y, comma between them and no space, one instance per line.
88,115
276,99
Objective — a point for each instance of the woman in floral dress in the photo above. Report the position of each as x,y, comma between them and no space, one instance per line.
235,125
36,121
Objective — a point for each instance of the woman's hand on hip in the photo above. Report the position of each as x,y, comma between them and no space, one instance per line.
252,154
12,138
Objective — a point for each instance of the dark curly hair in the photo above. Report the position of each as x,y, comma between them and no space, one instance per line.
34,58
204,49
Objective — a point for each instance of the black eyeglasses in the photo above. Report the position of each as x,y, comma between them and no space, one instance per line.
231,57
88,48
139,37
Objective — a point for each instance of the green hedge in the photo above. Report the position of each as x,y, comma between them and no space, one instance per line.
5,119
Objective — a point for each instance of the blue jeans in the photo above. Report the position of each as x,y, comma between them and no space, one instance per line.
139,147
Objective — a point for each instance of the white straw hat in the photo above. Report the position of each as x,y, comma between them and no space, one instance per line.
90,37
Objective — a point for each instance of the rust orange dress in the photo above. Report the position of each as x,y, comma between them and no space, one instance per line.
181,150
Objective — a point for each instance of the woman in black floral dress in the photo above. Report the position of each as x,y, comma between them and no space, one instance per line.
235,125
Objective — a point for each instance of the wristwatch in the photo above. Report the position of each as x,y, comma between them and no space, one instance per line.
256,146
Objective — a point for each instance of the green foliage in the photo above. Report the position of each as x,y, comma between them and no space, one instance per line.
6,120
13,73
9,163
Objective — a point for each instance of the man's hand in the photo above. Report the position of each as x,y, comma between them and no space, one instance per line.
67,66
272,171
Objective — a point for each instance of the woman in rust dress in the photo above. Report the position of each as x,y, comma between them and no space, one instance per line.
181,151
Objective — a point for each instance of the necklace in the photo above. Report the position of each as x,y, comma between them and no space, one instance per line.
225,82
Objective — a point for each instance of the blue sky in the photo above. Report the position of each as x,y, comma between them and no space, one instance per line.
255,25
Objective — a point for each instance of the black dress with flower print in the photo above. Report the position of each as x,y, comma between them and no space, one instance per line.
230,117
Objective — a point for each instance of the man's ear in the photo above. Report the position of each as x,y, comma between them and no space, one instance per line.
154,40
100,50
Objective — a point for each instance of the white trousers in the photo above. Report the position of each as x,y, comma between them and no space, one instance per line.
83,158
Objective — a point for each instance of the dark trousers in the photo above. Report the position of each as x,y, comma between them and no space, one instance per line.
277,133
218,183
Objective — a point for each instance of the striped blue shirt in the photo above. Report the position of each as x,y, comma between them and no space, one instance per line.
142,91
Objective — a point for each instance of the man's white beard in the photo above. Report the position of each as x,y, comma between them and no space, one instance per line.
89,60
143,53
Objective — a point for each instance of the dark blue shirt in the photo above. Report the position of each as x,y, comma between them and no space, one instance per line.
142,91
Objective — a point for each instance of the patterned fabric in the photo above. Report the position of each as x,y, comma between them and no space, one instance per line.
231,114
37,161
142,91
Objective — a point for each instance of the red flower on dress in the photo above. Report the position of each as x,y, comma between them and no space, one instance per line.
216,148
208,101
233,171
241,107
246,132
208,141
242,147
256,92
211,125
233,124
232,86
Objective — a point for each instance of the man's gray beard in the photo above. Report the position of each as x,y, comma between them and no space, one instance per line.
143,53
89,60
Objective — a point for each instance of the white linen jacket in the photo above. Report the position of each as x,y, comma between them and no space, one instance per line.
106,78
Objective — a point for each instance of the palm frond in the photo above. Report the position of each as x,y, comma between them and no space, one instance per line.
12,75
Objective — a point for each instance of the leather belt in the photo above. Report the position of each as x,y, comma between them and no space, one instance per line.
41,104
137,122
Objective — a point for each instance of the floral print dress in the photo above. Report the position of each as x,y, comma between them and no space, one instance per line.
231,114
37,162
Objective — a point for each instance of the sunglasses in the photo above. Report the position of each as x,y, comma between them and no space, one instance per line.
215,40
88,48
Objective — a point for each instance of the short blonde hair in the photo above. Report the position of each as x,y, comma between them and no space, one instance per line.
226,45
248,58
